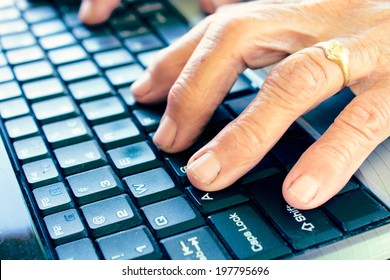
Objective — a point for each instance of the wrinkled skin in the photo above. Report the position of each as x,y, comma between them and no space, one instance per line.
195,73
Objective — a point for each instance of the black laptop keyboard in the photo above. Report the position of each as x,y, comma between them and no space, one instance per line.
91,172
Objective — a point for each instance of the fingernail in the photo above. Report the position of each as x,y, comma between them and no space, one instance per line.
304,189
143,85
206,168
166,133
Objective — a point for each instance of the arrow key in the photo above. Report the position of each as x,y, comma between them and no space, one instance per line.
133,244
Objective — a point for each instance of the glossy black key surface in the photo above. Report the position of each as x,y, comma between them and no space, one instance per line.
113,58
67,55
67,132
24,55
43,89
247,234
52,198
178,163
172,30
103,110
133,158
78,71
9,90
57,41
88,90
197,244
127,96
33,70
267,167
238,105
143,43
172,216
30,149
101,43
21,127
149,118
302,228
110,215
81,249
118,133
13,108
139,245
19,40
366,210
54,109
124,75
209,202
65,226
41,172
80,157
95,184
151,186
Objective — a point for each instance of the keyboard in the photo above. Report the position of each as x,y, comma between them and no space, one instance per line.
98,188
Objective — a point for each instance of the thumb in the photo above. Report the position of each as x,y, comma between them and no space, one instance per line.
96,11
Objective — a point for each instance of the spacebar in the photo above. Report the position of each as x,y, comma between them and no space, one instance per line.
18,237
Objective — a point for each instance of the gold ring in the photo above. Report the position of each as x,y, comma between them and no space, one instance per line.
336,52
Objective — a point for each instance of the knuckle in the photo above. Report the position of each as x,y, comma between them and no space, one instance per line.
368,122
298,79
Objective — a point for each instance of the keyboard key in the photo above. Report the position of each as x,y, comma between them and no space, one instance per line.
48,28
90,89
103,110
21,127
211,202
57,41
100,43
13,108
6,74
110,215
54,109
10,13
9,90
133,158
67,132
124,20
303,228
15,41
267,167
43,89
178,164
241,86
366,210
25,55
41,172
290,150
146,58
95,184
38,14
124,75
172,216
12,27
238,105
149,118
172,30
80,157
81,249
247,234
139,245
52,198
83,32
127,96
118,133
151,186
143,43
132,31
30,149
67,55
33,70
198,244
65,226
113,58
78,71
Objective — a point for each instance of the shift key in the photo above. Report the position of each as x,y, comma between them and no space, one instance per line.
248,235
303,228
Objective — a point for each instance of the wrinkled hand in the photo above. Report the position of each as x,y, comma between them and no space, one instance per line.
195,73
